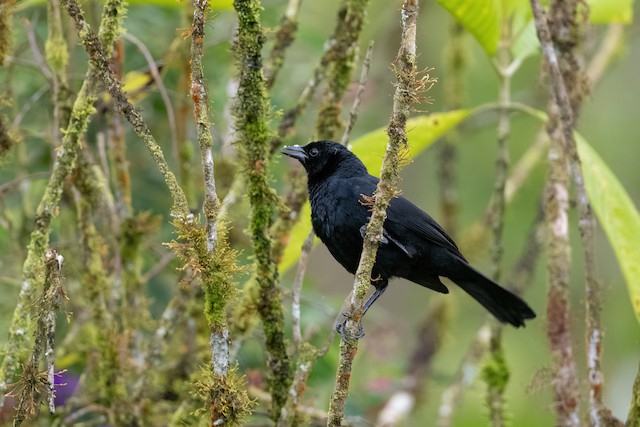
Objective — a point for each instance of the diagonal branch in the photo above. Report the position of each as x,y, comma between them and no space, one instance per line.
403,100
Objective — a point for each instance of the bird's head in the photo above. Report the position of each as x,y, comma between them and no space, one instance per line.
322,159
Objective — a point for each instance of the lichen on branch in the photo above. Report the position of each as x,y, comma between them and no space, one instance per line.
408,91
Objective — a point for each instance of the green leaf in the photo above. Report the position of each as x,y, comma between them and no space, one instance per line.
617,215
526,43
422,131
609,11
480,17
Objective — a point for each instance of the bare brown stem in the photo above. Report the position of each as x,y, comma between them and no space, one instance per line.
561,32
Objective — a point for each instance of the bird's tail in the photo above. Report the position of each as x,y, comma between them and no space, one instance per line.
505,306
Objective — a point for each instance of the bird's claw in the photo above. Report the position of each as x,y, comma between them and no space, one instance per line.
342,330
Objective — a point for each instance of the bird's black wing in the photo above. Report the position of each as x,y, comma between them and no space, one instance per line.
406,219
407,226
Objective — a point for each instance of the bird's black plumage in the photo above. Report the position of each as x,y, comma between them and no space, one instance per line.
413,246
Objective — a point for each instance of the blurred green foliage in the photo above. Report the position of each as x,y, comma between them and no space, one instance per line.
609,122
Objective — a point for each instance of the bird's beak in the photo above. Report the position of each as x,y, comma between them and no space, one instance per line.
296,152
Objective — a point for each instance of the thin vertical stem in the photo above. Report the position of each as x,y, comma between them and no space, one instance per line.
496,371
455,62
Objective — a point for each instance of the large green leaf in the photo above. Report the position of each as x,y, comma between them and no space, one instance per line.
617,215
480,17
422,132
608,11
525,39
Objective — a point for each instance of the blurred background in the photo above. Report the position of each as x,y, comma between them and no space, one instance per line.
609,121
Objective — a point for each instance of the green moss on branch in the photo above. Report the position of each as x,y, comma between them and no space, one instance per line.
341,59
251,113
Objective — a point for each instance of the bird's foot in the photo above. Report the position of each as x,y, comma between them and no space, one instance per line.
342,330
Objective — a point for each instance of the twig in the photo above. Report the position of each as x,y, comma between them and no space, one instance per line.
297,287
155,73
455,63
290,116
228,149
57,52
158,267
17,120
285,36
8,186
403,100
6,14
452,396
342,56
362,83
495,370
606,52
525,164
35,50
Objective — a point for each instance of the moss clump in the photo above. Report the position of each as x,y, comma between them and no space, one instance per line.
217,269
495,372
225,396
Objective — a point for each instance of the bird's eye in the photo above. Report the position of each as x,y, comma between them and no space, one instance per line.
314,152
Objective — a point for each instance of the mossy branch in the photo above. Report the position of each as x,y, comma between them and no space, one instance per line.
227,398
403,100
65,163
341,58
6,11
251,112
559,34
28,390
284,37
99,60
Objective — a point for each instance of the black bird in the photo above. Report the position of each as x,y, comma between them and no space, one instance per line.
413,245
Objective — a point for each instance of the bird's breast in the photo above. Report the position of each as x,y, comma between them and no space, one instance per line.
337,217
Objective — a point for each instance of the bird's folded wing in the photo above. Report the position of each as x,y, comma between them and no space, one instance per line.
408,224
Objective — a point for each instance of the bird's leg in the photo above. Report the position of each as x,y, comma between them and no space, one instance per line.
383,239
380,288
